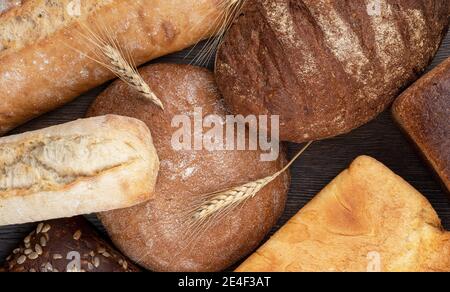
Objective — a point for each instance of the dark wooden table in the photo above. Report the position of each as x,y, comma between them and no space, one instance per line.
380,139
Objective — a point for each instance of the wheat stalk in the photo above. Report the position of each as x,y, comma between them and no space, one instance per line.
108,53
229,11
129,74
223,201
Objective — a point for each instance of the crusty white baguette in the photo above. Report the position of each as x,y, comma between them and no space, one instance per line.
81,167
367,219
42,65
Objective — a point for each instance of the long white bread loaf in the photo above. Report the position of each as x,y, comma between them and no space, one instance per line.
39,68
81,167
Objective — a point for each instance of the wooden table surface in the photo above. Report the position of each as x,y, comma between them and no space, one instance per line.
380,139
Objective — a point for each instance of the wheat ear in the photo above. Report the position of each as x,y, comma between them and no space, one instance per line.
129,74
229,11
108,53
222,201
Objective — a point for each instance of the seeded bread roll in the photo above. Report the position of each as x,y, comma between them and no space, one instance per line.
42,49
326,67
156,234
367,219
423,112
66,245
81,167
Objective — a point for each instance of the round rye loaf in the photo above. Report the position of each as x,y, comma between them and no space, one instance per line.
156,234
325,66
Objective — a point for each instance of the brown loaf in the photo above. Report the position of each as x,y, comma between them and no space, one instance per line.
54,246
154,234
326,66
367,219
41,68
423,111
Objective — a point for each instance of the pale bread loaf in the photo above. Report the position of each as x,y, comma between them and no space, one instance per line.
81,167
368,218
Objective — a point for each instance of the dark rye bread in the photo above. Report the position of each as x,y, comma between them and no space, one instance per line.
53,246
326,66
423,111
156,234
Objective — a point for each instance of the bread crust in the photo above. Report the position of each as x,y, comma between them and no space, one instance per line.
156,234
324,66
423,112
6,5
81,167
358,223
42,65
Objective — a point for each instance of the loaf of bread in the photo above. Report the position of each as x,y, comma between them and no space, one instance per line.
326,67
157,235
423,111
66,245
81,167
42,49
367,219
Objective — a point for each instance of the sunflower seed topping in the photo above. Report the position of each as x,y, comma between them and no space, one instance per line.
77,235
21,259
57,256
96,262
33,256
27,239
43,241
38,249
46,228
39,228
